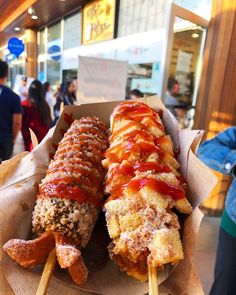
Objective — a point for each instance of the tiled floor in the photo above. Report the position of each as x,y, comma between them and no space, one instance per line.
206,249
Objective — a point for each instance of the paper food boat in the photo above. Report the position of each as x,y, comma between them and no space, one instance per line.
19,179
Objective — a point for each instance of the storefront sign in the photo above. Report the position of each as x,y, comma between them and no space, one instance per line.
16,46
98,21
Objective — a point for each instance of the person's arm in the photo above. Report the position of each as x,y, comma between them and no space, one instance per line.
16,125
219,153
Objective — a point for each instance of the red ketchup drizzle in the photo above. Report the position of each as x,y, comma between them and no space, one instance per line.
90,177
151,166
152,122
181,180
130,147
129,170
161,140
159,186
137,113
124,128
142,133
58,189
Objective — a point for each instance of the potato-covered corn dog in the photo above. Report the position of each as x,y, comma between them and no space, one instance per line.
144,185
69,200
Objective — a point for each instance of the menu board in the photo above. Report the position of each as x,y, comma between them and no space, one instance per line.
98,21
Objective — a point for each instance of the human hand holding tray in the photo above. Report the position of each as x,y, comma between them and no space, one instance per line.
104,277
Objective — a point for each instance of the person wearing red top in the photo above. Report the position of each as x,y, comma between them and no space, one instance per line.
36,114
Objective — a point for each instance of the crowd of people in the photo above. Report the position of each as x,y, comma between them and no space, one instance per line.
35,108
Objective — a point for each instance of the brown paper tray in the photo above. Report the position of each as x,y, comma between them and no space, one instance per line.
18,186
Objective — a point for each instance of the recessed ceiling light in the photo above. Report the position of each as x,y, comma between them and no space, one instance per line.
30,10
195,35
62,0
17,29
34,16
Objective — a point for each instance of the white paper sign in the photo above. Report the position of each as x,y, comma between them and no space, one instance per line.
101,80
184,61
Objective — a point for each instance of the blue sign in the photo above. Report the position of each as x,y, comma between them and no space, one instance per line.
16,46
54,49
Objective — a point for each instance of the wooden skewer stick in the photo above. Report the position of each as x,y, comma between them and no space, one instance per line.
152,280
47,273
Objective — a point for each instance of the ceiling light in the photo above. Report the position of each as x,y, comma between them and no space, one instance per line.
34,16
30,10
195,35
17,29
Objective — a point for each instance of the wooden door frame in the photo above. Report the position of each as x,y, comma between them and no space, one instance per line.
177,11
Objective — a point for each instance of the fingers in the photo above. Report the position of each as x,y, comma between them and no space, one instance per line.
30,253
66,251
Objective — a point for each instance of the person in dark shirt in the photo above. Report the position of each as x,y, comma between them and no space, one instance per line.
10,115
36,114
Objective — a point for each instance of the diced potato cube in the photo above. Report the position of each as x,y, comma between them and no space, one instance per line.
153,198
166,145
113,226
166,247
183,206
153,129
168,178
153,157
170,161
130,222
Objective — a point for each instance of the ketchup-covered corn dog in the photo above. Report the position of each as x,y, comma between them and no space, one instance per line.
69,200
144,185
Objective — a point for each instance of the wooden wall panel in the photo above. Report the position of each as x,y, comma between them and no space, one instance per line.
216,104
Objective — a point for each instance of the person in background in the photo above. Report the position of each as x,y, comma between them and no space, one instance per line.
65,96
135,93
69,93
10,115
23,91
172,90
219,154
50,99
36,114
75,83
189,88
